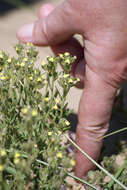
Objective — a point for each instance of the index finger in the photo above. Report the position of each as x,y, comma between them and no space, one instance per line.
93,119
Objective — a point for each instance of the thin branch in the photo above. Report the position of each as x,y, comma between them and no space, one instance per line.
96,164
118,131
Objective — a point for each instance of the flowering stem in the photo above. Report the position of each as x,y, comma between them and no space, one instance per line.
69,174
47,84
52,87
81,180
62,106
46,164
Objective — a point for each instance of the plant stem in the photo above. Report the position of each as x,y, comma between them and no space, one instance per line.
118,131
46,164
81,180
96,164
71,175
52,87
117,174
47,84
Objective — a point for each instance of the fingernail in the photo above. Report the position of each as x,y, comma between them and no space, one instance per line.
25,33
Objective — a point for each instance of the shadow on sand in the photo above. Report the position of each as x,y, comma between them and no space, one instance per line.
9,5
110,145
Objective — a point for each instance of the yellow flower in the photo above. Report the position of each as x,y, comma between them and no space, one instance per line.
24,110
78,79
61,55
37,90
46,99
22,64
67,61
66,75
17,48
1,56
16,161
43,77
66,53
1,168
72,162
31,78
29,44
35,71
7,78
35,145
56,100
9,60
3,152
59,155
39,79
43,63
25,59
34,113
2,77
17,155
51,59
67,123
55,107
28,51
70,81
49,133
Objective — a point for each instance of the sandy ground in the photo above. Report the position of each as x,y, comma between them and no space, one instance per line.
9,24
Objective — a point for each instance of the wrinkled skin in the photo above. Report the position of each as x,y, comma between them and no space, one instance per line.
101,63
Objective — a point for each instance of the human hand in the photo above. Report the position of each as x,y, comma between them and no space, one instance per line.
101,64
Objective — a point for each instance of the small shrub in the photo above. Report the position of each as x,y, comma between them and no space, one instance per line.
32,123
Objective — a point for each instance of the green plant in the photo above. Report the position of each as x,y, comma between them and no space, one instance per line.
33,126
32,123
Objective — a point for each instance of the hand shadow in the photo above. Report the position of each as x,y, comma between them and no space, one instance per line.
111,144
6,7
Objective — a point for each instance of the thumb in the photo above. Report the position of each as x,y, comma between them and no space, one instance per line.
93,119
56,27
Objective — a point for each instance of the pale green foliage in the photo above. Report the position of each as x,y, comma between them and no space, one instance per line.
32,124
99,179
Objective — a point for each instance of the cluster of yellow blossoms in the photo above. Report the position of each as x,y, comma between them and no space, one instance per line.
16,158
34,112
1,55
2,154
